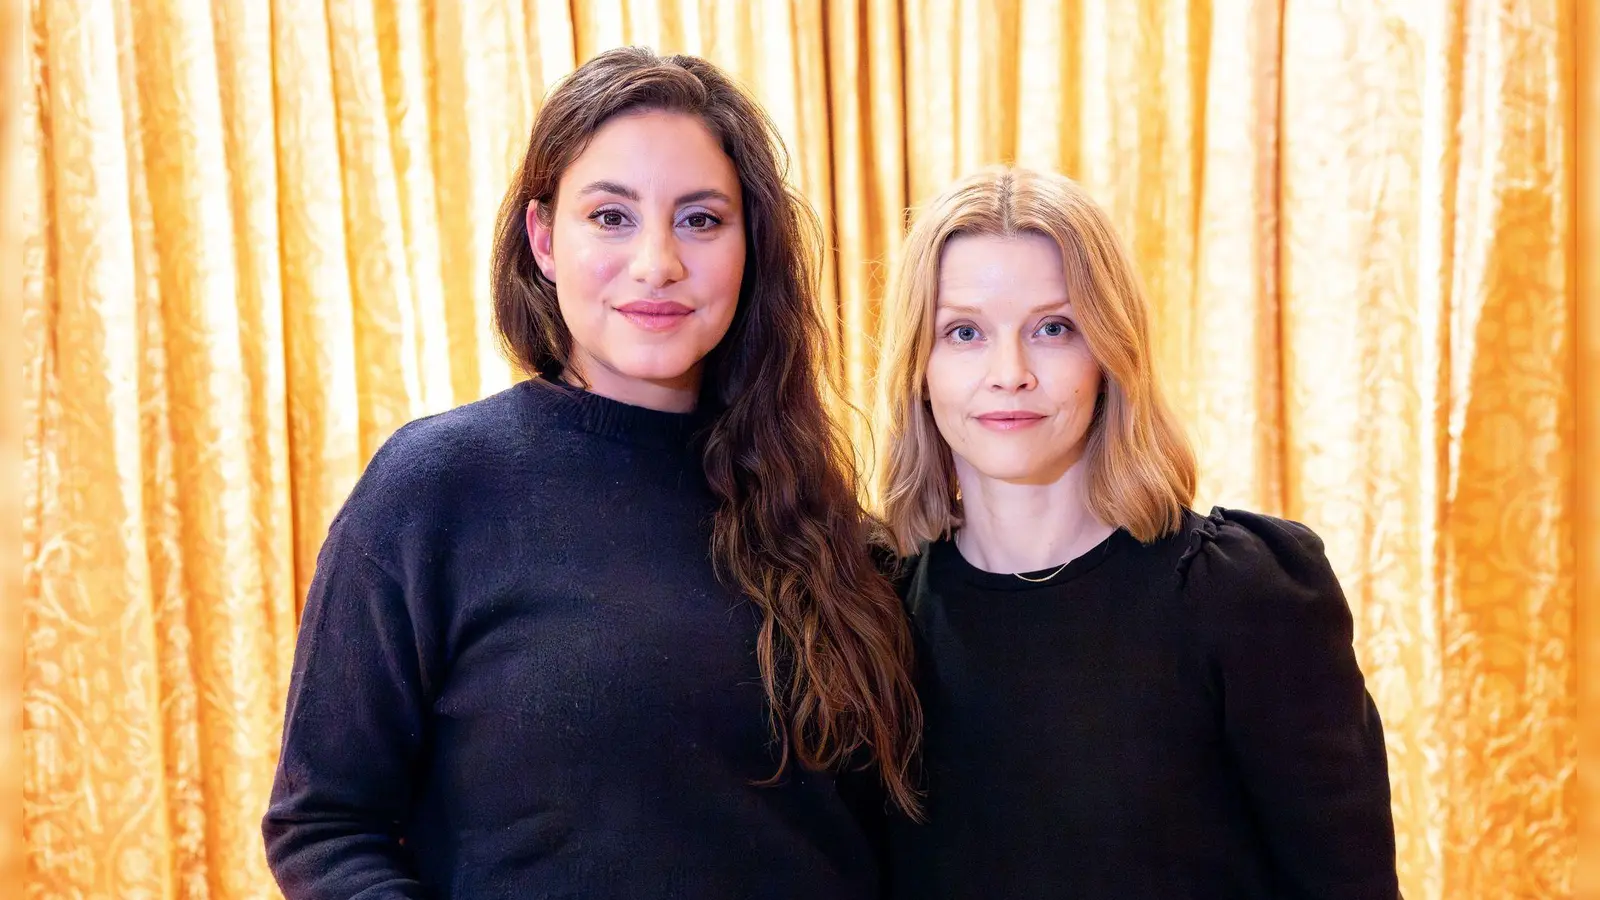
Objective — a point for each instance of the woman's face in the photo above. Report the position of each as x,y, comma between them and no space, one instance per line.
1011,381
646,248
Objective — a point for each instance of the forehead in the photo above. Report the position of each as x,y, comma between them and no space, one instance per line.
654,150
978,268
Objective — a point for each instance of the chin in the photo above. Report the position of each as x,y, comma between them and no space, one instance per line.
651,364
1020,468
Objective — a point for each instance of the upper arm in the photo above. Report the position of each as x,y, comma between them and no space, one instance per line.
1298,720
355,715
358,706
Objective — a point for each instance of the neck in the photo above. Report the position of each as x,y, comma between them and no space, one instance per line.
1012,527
674,395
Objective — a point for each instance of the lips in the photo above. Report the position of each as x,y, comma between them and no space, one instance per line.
1009,419
655,315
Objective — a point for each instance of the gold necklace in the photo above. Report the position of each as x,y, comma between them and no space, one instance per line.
1047,577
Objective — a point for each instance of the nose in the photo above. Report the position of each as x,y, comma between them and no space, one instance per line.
657,262
1009,368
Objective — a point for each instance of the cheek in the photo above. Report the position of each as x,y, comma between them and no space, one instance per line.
1088,384
719,269
936,380
1073,378
601,264
584,264
1093,379
1087,389
948,386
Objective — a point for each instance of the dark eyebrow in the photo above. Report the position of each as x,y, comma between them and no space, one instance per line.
705,194
622,190
610,187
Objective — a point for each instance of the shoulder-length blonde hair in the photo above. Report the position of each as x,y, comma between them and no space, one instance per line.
1141,469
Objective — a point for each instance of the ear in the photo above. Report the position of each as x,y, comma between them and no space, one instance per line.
540,240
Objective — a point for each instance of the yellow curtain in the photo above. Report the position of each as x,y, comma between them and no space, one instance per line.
254,241
13,854
1586,266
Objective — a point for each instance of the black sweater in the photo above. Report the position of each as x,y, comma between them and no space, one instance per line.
518,676
1172,721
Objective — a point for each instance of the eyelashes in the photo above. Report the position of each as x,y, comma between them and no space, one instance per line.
612,219
962,333
602,218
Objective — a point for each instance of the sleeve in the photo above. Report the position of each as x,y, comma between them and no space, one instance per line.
352,734
868,801
1297,718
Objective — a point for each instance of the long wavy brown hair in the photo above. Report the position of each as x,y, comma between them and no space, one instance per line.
834,646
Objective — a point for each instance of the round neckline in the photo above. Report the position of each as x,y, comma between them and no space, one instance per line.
945,557
620,421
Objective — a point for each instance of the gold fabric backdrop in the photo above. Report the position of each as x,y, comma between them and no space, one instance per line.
1588,483
255,241
13,853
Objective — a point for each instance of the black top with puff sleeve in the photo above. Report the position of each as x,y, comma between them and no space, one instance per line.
1183,719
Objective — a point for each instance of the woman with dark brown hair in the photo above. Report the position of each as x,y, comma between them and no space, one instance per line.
615,631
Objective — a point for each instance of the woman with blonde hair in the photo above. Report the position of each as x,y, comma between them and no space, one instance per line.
1123,699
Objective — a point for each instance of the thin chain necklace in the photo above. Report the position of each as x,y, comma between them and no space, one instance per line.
1058,571
1045,578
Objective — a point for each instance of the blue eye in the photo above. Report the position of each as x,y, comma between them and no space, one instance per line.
1055,329
964,334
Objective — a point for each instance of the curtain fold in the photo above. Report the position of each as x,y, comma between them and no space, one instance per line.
254,239
13,172
1585,32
